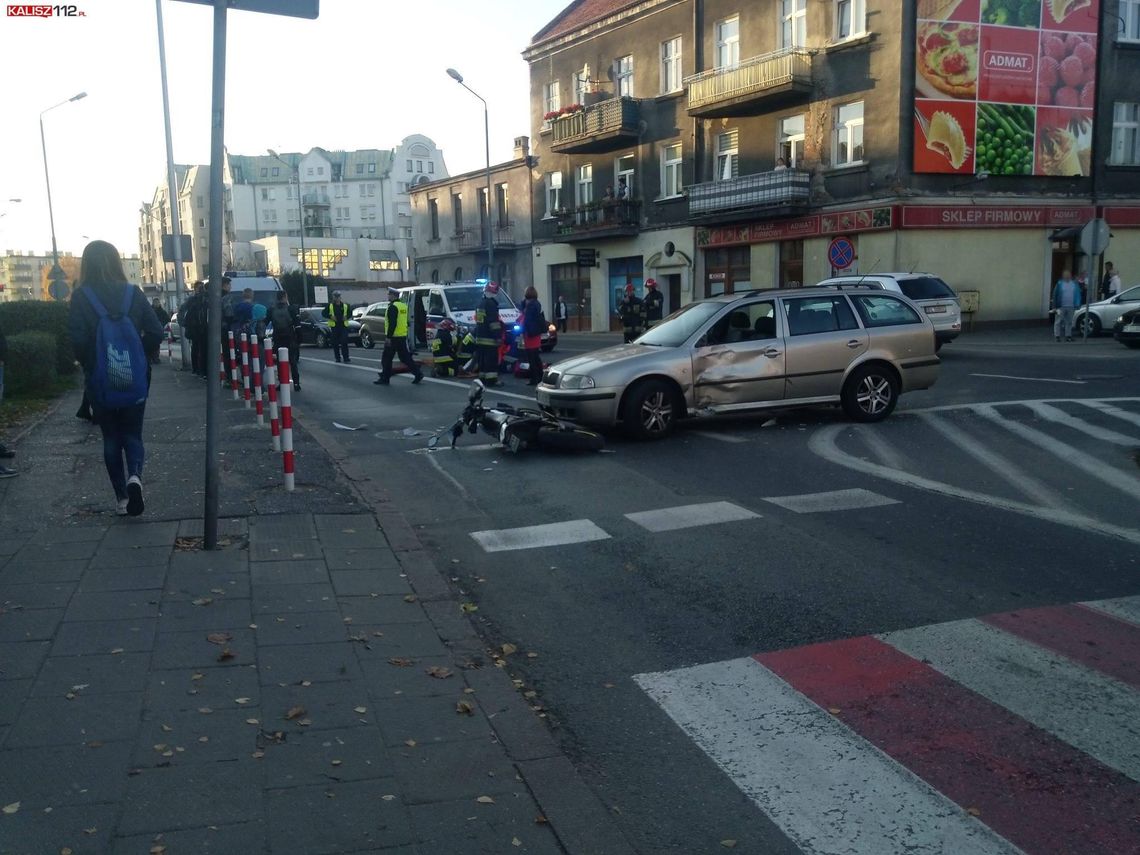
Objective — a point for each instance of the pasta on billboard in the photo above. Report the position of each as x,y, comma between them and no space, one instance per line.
1005,87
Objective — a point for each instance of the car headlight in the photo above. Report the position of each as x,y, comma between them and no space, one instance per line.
551,328
576,381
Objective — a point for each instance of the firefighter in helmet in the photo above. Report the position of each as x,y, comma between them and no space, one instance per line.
488,334
631,310
443,349
654,304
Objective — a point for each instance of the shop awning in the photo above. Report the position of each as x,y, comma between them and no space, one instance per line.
1070,233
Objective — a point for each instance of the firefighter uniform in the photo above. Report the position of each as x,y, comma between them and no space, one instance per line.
464,351
488,335
443,353
654,304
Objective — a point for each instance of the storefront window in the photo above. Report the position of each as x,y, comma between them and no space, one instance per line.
622,272
727,271
791,263
573,284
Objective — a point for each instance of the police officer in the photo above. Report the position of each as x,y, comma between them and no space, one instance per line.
338,314
396,341
488,334
631,310
464,351
443,349
654,304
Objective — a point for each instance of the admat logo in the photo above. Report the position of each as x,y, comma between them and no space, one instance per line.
1005,61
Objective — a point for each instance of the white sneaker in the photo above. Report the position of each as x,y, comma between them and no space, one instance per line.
121,507
134,496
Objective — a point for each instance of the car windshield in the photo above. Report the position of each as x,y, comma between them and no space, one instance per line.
925,288
1130,295
466,298
676,329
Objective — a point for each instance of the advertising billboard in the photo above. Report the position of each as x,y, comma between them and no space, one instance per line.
1005,87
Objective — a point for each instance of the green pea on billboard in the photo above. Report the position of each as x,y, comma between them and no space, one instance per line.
1005,87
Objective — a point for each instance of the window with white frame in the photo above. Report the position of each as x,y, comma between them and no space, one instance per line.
1129,21
268,215
1125,149
623,76
309,170
341,191
581,85
793,23
289,193
585,183
371,189
727,155
850,19
372,168
728,42
320,170
624,169
671,65
363,192
409,166
551,97
553,192
847,145
671,181
790,140
419,166
342,213
291,215
431,167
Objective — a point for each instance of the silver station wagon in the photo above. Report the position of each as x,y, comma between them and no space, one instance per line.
758,351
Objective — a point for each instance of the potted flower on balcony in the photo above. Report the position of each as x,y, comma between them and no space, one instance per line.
570,109
551,116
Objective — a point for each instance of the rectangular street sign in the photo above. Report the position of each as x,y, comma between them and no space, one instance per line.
168,248
291,8
587,257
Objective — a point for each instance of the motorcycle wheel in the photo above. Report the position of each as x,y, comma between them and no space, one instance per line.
578,439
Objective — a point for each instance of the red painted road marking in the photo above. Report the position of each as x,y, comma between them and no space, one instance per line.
1036,791
1089,637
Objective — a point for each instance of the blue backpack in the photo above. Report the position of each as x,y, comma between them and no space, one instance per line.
119,379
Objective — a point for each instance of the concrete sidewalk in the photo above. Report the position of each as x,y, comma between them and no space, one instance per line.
311,687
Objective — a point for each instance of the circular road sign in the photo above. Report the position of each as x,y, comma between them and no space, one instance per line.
841,253
59,290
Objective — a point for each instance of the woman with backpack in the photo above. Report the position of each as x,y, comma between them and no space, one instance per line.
114,330
534,325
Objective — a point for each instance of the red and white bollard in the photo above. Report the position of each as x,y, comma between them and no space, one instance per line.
233,365
271,386
257,381
222,364
286,416
245,370
169,345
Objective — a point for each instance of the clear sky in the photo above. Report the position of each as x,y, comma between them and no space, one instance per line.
365,74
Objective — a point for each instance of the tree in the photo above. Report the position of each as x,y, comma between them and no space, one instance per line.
294,287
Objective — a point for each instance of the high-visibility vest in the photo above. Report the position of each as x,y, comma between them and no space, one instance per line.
345,317
401,330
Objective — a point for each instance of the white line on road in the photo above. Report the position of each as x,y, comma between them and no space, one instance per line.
458,384
1093,713
459,488
825,787
1059,416
888,455
1040,379
835,500
722,437
536,536
1108,410
690,516
1122,608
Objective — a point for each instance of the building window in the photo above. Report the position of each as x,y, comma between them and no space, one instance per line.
419,166
1125,134
553,192
431,167
623,76
848,142
625,168
342,233
481,198
551,100
264,194
309,171
581,85
433,215
671,66
201,222
727,155
201,243
289,192
409,166
850,18
728,42
1129,15
457,211
291,215
383,259
362,190
502,202
371,189
793,23
458,275
320,170
265,172
372,168
671,181
790,143
200,202
360,169
276,171
585,182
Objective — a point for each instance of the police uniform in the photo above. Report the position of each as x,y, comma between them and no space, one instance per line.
396,342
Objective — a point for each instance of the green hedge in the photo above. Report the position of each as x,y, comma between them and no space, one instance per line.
41,316
30,366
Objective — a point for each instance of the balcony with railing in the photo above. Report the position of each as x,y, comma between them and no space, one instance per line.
315,200
474,238
750,86
598,127
778,192
611,218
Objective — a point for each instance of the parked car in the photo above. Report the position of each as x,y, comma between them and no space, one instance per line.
925,290
764,350
1126,330
315,328
430,304
1101,316
373,321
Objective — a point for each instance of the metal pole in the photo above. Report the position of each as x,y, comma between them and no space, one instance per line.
171,189
490,232
301,222
47,181
214,323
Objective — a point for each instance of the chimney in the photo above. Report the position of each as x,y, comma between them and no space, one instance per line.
522,147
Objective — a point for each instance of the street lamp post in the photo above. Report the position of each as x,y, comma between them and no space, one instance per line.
56,275
458,78
300,222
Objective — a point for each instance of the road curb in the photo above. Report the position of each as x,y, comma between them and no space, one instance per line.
576,815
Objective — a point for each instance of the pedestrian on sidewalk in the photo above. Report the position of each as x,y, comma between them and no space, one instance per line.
192,317
104,347
5,452
1066,300
285,319
1114,284
533,326
227,301
561,313
396,340
160,312
338,313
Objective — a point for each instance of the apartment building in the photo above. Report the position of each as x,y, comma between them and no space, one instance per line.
192,186
24,275
452,221
777,143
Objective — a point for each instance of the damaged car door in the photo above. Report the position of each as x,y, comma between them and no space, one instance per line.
738,364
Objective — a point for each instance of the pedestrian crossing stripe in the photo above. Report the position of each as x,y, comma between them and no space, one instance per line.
1011,733
834,500
690,516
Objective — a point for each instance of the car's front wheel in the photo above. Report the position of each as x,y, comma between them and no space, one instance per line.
1091,321
366,340
650,410
322,339
870,393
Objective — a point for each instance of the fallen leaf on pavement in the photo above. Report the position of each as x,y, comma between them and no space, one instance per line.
465,708
166,728
306,683
728,844
439,672
197,676
218,637
257,755
241,700
252,721
541,820
202,601
294,712
468,691
532,656
410,598
203,739
205,710
607,685
973,811
388,798
360,710
485,800
336,762
225,655
834,710
516,842
70,696
508,649
530,694
12,808
157,850
304,722
411,743
90,830
116,651
467,608
401,662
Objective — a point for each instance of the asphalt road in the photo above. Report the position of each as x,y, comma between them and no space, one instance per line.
1012,484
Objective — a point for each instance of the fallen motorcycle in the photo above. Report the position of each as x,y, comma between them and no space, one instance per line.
519,428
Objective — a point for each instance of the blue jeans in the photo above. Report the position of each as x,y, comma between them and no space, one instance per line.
123,451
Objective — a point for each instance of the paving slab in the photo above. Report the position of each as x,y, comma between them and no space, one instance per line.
282,527
290,572
29,624
325,706
83,829
290,599
103,674
440,773
429,720
194,649
77,638
227,528
469,826
301,628
349,583
246,838
99,605
352,558
141,534
307,757
332,818
82,719
211,612
13,693
115,578
21,658
399,639
193,689
47,777
192,796
117,558
41,550
20,571
285,550
314,663
386,681
36,595
383,610
178,738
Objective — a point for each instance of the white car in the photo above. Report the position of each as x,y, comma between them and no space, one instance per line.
1103,314
936,299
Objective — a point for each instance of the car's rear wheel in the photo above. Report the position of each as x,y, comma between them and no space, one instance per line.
366,340
322,339
650,410
870,393
1092,321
